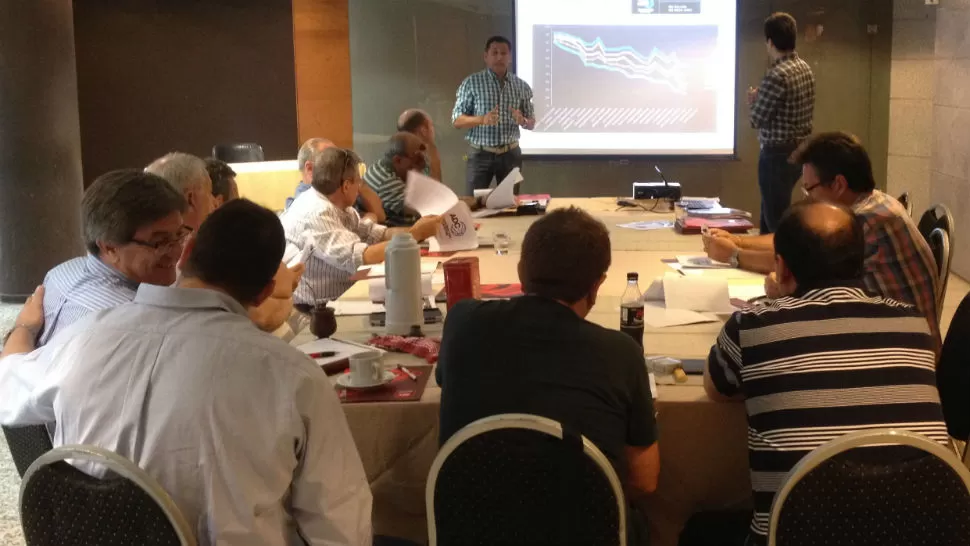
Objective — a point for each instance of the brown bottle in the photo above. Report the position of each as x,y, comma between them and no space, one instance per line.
323,323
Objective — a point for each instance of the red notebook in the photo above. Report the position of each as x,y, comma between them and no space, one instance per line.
401,389
692,226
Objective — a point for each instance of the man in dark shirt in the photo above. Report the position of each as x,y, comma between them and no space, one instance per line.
781,110
537,354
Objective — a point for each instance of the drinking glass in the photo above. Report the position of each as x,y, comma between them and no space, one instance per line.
501,240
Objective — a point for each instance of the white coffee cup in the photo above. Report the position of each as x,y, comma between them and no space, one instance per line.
366,368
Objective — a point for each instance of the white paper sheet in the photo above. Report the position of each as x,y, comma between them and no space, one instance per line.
696,293
720,273
655,315
648,226
428,196
343,349
701,262
457,232
485,213
377,288
380,270
655,292
503,196
746,291
354,307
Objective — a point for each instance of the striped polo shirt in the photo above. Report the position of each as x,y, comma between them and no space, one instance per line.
390,188
78,287
820,364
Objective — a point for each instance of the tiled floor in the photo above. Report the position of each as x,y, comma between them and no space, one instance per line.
10,534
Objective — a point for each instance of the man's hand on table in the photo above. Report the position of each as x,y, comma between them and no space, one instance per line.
720,248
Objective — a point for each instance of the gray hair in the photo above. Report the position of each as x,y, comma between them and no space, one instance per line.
119,203
330,169
183,171
397,145
310,150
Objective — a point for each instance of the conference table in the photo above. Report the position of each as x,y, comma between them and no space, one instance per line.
703,448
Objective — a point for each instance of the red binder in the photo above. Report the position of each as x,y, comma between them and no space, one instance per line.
690,225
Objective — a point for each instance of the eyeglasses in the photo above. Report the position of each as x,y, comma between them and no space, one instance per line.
808,191
165,245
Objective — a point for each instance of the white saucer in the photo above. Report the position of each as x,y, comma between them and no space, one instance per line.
345,382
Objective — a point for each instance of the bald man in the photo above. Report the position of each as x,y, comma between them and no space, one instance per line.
368,202
405,152
420,124
825,360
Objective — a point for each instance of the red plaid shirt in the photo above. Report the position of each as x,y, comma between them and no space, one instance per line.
899,262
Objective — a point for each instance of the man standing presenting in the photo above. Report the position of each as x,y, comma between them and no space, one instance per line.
781,110
493,104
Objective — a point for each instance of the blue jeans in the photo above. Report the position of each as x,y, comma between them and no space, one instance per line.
776,179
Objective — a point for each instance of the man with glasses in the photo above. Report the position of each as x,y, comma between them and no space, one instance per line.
405,152
133,232
836,169
324,218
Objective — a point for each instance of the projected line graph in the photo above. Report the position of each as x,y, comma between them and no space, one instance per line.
625,78
656,67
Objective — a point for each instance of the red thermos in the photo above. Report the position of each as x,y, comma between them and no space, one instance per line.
462,280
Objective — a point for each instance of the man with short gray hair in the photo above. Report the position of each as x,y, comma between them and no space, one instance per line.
133,231
188,174
405,152
368,203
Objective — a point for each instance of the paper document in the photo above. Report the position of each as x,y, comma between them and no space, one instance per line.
697,294
720,273
485,213
503,196
648,226
457,231
344,308
428,196
656,315
380,270
655,292
343,350
746,290
377,288
701,262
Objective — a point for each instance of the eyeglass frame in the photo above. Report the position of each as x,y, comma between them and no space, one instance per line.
183,233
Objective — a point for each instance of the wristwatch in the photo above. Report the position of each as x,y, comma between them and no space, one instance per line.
735,260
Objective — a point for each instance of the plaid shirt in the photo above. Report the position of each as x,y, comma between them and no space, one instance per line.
483,91
783,110
899,262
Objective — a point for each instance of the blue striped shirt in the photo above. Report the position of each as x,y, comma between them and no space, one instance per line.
483,91
78,287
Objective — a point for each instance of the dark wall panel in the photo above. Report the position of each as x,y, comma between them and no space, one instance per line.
158,76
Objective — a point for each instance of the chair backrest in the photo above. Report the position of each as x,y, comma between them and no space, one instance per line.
905,202
60,504
521,479
881,487
939,241
26,444
937,216
238,153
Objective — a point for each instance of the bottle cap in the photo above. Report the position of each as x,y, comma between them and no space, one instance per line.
632,276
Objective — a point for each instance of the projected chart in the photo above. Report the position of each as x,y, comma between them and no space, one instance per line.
624,78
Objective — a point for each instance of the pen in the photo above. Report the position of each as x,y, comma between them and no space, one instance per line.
323,354
408,372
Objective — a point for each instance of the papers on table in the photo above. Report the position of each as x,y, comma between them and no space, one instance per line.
502,197
747,290
701,262
721,272
380,270
648,226
343,350
377,287
656,315
697,294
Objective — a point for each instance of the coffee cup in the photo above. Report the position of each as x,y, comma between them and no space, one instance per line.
366,368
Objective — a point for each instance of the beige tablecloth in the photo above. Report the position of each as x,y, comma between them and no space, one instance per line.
702,443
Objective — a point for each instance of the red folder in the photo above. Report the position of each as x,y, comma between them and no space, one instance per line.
689,225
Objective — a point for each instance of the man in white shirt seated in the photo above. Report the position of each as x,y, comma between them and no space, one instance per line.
243,431
324,217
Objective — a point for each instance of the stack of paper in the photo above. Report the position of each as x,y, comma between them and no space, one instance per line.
502,197
428,267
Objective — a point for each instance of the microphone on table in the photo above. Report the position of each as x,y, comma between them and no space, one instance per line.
662,177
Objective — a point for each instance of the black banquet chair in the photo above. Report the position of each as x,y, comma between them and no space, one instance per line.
61,505
26,444
519,479
880,487
238,153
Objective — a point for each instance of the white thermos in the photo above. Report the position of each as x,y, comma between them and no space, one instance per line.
402,278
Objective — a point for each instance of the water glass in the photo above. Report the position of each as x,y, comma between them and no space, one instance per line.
501,240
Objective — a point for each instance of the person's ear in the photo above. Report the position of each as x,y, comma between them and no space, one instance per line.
186,251
784,275
217,201
840,185
265,293
108,253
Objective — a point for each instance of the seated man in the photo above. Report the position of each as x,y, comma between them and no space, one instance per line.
547,360
898,262
243,431
224,188
419,123
405,152
368,202
826,359
133,232
187,174
342,241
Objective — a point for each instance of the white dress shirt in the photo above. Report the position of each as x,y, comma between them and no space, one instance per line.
243,431
339,238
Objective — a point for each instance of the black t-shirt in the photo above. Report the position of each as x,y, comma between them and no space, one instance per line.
534,355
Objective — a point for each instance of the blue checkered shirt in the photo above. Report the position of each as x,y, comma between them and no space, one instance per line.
483,91
79,287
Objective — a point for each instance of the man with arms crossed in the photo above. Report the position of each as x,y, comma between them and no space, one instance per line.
243,431
781,110
550,361
898,261
826,359
493,104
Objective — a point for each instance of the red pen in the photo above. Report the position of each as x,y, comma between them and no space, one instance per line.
323,354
